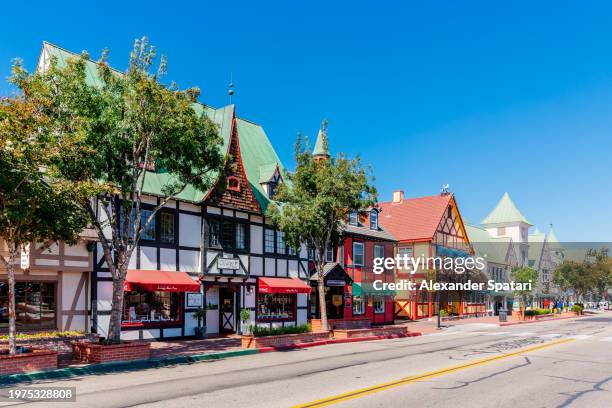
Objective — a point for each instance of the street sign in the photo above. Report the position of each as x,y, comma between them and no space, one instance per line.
228,263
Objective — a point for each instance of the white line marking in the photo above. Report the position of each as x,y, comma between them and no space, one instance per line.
606,339
522,334
496,333
551,335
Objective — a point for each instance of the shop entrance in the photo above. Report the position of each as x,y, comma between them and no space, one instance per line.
334,300
227,320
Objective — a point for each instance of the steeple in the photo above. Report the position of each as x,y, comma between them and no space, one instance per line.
505,212
321,151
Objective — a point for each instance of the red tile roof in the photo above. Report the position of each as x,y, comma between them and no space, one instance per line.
414,219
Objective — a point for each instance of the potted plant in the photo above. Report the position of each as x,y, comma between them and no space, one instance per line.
245,315
200,331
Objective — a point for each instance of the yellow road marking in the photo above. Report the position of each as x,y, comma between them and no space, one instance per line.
392,384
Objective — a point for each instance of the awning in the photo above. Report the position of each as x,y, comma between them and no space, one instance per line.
282,285
361,289
160,281
450,252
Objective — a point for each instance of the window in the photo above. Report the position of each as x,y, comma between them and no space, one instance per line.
151,307
501,231
358,253
233,184
374,219
353,218
269,240
276,306
166,227
240,236
379,251
227,234
291,251
280,242
213,233
329,255
272,189
358,305
34,305
379,304
405,251
147,233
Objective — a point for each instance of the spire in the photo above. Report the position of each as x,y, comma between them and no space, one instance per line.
230,92
320,149
505,212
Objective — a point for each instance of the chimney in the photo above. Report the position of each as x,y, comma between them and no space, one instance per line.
398,196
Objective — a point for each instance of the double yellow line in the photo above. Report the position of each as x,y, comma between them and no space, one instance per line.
425,376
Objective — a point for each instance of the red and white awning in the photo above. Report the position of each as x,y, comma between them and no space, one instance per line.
160,281
282,285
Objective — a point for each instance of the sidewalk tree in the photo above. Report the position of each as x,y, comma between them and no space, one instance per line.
524,275
34,207
130,127
315,201
577,276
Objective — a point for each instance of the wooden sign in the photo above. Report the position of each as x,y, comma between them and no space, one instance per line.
228,263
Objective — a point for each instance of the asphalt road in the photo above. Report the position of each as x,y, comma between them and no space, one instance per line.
555,364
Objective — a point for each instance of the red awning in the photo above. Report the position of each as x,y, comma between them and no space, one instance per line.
282,285
160,281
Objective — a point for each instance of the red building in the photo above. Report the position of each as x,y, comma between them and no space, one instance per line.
350,293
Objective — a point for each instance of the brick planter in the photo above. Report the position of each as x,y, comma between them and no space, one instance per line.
284,340
101,353
37,360
372,332
344,324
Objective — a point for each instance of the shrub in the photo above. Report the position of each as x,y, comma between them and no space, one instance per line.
577,309
40,335
259,331
443,312
530,312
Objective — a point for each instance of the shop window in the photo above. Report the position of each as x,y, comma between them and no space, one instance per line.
358,253
34,305
379,304
358,305
276,306
280,242
151,308
269,240
166,227
374,219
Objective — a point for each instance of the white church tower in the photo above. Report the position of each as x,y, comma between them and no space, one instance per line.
508,222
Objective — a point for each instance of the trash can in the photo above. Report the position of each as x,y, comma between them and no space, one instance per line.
503,315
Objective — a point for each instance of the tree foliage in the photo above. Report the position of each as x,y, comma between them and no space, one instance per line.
314,202
525,275
114,134
593,274
35,207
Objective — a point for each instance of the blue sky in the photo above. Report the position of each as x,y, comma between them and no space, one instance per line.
484,96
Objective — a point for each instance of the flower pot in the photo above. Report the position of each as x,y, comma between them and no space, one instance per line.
200,332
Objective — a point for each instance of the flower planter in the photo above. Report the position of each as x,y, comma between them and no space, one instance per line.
283,340
100,353
36,360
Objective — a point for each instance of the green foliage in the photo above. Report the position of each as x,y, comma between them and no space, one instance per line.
537,312
443,312
199,314
259,331
245,314
592,274
42,335
524,275
579,309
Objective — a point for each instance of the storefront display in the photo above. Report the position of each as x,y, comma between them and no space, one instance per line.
152,308
34,305
276,306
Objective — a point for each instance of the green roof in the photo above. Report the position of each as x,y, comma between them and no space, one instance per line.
494,248
319,148
258,155
505,212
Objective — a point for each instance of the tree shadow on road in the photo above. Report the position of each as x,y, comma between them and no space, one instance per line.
597,386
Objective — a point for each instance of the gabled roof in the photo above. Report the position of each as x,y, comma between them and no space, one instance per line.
366,231
256,150
494,248
414,219
505,212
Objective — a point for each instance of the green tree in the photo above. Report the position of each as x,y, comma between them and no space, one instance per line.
131,127
314,202
524,275
34,206
577,276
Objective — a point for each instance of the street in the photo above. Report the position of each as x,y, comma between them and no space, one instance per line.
566,363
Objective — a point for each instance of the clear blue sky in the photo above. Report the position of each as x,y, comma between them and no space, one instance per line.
484,96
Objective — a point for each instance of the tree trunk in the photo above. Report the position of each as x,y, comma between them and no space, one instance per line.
114,327
10,268
322,304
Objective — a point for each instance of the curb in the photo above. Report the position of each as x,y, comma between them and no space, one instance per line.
335,341
539,321
119,366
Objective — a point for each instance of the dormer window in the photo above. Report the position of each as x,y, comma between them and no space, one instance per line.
353,218
233,184
270,178
374,219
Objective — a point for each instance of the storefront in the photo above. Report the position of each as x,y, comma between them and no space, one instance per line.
35,305
277,300
372,303
337,285
154,300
